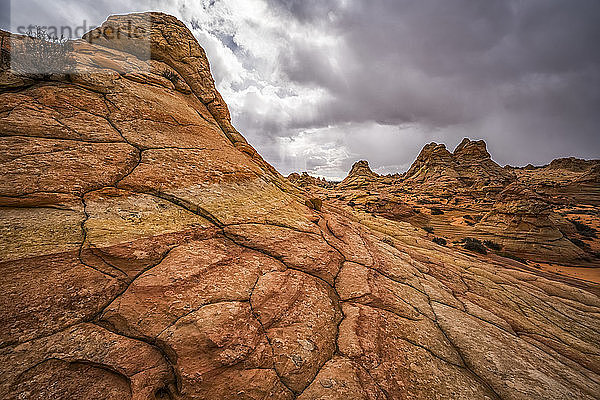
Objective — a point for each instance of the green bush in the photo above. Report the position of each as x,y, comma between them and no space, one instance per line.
170,75
474,245
314,203
583,229
492,245
388,240
513,257
579,243
439,240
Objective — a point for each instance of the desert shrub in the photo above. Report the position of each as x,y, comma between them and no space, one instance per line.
170,75
427,201
579,243
428,229
490,244
583,229
436,211
41,55
475,245
439,240
387,240
314,203
513,257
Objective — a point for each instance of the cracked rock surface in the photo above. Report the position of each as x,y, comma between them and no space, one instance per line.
148,252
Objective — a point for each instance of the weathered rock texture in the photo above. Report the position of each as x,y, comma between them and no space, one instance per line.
470,165
304,180
360,176
529,213
148,253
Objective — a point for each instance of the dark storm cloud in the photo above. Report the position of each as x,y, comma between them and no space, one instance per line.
306,10
523,75
436,62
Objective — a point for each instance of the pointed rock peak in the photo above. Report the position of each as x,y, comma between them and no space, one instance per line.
434,148
472,149
465,142
360,176
432,155
432,152
361,168
162,37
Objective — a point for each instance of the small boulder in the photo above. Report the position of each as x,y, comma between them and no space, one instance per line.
314,203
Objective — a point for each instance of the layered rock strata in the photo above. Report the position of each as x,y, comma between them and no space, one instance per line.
148,252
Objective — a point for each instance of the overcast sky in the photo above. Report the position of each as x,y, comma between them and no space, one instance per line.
317,84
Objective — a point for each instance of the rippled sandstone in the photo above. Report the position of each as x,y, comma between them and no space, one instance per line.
148,252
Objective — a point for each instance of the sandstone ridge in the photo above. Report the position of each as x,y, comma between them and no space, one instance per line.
542,214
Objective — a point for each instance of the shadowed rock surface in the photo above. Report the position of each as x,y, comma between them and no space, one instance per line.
148,252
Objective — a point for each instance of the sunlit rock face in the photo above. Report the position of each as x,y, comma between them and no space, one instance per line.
469,166
148,252
544,214
360,176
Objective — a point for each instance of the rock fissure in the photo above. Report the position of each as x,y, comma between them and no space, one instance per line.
256,316
468,366
155,345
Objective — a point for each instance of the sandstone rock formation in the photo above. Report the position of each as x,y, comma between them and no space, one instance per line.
359,177
522,221
470,165
306,181
566,181
525,213
148,252
434,162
